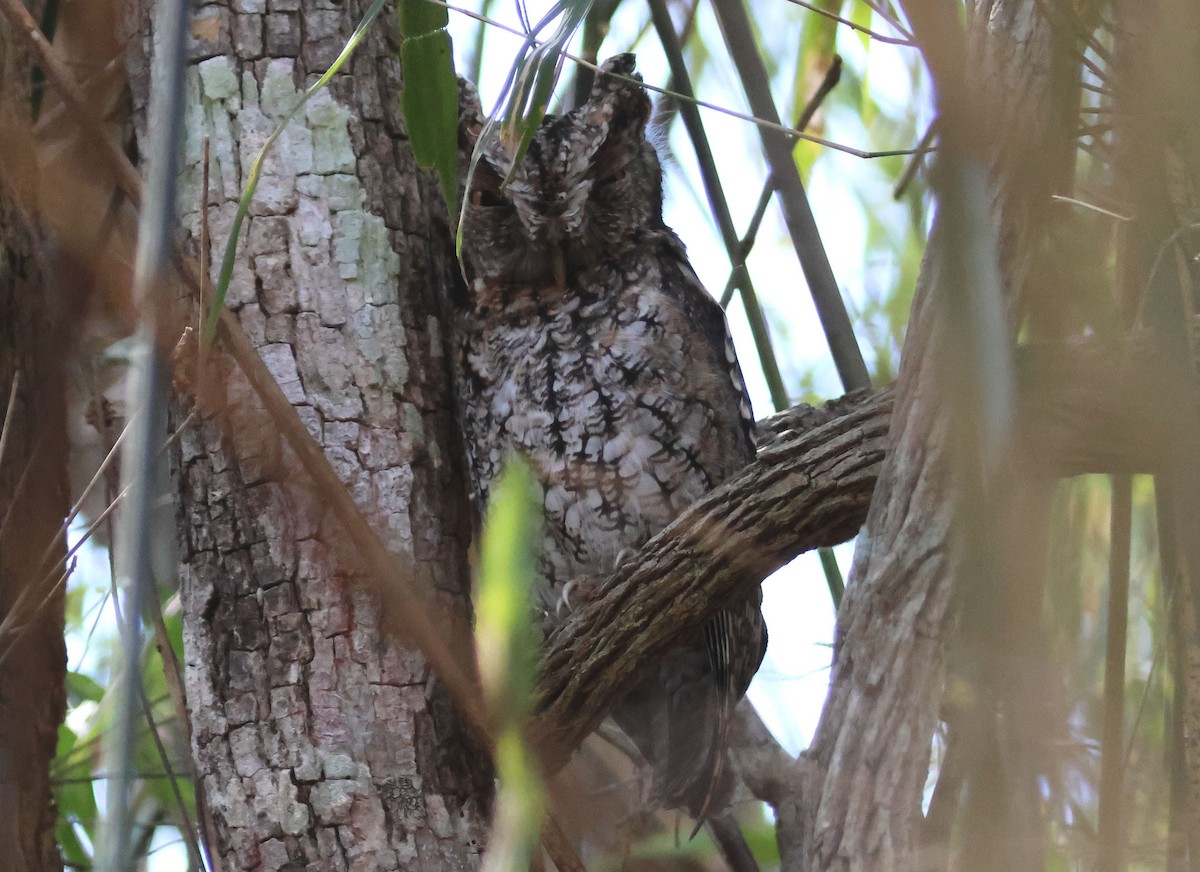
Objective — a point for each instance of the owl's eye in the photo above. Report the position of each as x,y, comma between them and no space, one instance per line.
487,199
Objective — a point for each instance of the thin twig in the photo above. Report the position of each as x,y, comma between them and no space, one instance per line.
8,414
101,776
7,624
914,161
59,75
10,623
797,213
828,83
86,749
889,15
879,37
1092,206
140,465
1052,14
716,198
188,828
724,110
1112,764
191,832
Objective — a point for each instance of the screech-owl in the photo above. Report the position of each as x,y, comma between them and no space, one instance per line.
587,344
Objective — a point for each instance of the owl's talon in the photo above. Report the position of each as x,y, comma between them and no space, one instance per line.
575,593
563,606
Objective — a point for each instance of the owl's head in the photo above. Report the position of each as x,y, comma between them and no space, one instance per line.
588,187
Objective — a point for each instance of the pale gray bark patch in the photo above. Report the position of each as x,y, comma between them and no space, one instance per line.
320,744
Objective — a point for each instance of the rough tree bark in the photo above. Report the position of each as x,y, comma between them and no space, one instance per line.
868,762
33,499
319,743
1078,410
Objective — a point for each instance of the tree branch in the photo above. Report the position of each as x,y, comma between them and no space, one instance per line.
1083,408
807,488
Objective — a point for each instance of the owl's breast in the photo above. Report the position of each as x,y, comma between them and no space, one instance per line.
597,394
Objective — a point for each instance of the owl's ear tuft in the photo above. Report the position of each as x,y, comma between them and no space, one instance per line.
619,94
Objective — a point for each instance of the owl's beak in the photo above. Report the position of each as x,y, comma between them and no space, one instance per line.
558,264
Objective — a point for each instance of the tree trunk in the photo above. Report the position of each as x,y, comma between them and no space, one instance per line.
859,807
33,503
320,743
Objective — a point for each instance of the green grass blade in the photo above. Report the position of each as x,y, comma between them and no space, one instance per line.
506,644
430,97
527,90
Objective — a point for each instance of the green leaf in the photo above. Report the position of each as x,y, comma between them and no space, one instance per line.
818,44
430,102
863,15
74,796
82,687
72,849
519,806
537,68
506,644
526,92
818,48
506,640
531,80
420,17
805,153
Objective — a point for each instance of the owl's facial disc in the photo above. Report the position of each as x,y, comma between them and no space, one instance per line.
588,185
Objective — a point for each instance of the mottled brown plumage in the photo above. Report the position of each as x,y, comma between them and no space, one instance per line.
587,344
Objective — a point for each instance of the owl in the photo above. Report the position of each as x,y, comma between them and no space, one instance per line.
586,343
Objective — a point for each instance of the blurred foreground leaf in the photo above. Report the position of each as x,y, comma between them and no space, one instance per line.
506,643
430,97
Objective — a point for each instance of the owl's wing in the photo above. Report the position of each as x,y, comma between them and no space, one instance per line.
725,389
700,702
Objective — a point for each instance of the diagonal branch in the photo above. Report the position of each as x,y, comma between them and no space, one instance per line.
1082,409
807,488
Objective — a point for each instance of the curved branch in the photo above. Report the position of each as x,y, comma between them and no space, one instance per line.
1080,408
808,488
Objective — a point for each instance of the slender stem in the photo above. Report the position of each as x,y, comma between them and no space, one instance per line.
1112,759
144,470
879,37
832,76
833,575
780,129
716,198
797,214
1175,603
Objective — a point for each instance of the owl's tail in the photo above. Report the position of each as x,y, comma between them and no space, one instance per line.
674,718
679,716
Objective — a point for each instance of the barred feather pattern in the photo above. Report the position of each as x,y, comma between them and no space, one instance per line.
587,344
